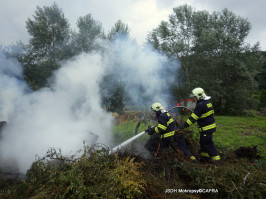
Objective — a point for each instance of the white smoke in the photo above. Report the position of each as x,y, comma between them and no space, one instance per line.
146,74
11,85
62,116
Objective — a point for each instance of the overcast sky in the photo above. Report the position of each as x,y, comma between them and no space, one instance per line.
141,15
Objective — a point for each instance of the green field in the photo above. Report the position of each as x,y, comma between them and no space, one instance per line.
232,132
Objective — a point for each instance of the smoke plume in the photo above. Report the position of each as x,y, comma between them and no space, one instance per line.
146,74
60,117
63,115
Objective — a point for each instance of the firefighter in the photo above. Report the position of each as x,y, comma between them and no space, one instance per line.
166,130
204,115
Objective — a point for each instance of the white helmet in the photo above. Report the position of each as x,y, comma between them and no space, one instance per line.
200,94
156,107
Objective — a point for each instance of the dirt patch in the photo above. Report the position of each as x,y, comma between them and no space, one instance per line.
247,152
262,112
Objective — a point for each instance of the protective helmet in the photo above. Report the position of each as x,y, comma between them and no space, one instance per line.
200,94
156,107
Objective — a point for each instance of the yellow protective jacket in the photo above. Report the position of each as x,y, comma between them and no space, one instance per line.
204,116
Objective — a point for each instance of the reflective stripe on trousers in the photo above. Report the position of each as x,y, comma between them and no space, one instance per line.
192,157
204,154
216,158
207,155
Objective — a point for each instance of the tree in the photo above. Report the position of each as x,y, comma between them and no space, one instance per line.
114,95
261,78
213,55
48,45
118,30
221,51
175,38
89,30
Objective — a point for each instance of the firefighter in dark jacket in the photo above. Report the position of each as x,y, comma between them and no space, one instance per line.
204,116
166,129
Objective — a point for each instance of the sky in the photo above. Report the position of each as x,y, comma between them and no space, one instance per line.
142,16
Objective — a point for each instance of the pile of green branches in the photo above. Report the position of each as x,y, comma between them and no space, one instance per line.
96,174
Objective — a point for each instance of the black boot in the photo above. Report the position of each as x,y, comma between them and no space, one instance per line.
204,159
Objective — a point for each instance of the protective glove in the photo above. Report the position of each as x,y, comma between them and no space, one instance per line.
150,130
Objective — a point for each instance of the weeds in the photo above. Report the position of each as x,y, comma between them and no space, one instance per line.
96,174
101,175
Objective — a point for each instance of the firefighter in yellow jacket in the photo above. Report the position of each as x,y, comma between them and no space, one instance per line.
204,116
166,130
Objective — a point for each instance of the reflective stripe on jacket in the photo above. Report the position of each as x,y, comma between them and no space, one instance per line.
165,127
204,115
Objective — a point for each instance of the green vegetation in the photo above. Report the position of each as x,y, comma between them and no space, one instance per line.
232,133
204,43
126,130
236,131
96,174
212,43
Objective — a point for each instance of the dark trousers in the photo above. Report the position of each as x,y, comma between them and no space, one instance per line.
181,145
207,145
179,142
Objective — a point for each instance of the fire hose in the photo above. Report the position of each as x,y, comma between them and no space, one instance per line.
118,147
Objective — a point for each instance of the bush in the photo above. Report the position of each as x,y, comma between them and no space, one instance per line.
96,174
249,113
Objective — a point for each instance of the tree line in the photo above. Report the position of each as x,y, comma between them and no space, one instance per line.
52,41
214,55
210,47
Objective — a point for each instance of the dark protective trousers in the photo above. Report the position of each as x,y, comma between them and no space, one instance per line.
181,144
207,145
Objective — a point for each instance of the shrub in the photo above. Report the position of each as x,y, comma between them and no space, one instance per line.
96,174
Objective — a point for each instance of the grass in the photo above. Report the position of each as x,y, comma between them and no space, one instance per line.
232,132
126,130
96,174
